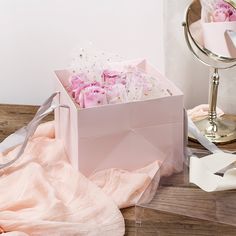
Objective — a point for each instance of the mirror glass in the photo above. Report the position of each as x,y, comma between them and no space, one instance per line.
212,28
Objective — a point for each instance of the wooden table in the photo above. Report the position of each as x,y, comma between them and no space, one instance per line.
178,208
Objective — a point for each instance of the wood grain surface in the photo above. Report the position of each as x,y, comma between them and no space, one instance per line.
178,207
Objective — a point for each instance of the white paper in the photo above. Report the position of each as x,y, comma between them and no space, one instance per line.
203,172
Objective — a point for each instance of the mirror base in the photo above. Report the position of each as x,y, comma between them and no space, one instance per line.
221,131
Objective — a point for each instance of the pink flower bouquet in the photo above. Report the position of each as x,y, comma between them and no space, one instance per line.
113,86
217,18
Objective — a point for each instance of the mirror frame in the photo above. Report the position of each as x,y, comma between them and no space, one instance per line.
189,38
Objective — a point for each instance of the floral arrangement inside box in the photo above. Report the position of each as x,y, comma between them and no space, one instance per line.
218,19
97,81
217,11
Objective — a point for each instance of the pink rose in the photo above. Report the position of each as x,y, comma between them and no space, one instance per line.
221,4
233,17
92,96
113,77
116,94
220,15
78,82
75,81
223,12
82,86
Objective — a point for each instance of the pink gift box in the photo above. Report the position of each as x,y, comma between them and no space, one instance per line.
126,136
216,40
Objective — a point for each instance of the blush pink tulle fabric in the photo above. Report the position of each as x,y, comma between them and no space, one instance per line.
41,194
200,112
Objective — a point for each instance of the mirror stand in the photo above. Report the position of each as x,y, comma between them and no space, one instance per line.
219,130
216,129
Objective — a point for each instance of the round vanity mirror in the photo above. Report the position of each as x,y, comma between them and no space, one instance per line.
210,33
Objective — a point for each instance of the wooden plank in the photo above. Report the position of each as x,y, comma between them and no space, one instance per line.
184,201
215,207
13,117
166,224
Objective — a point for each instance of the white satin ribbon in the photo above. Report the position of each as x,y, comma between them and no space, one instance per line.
205,172
22,135
192,128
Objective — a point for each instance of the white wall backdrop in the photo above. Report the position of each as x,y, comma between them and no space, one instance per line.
38,36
